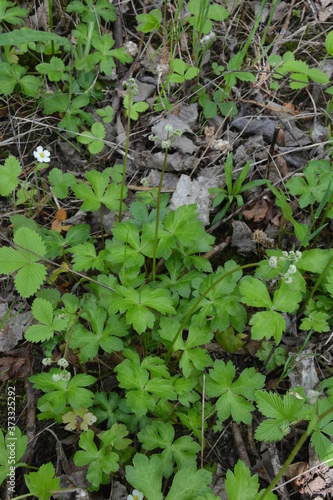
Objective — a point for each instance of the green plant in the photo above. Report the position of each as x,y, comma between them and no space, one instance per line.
234,189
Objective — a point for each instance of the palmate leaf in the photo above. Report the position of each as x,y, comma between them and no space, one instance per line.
137,305
146,476
100,460
188,483
25,259
101,192
161,435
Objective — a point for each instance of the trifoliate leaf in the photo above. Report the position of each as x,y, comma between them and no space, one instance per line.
61,182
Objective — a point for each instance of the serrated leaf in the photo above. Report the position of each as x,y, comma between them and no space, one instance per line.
240,484
42,484
231,394
146,476
9,173
61,182
267,324
188,483
255,293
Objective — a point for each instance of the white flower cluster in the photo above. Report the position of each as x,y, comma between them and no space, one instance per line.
286,256
131,87
207,38
171,134
63,375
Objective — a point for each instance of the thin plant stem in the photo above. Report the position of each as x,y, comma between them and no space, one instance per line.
324,217
317,419
49,11
158,209
126,154
102,229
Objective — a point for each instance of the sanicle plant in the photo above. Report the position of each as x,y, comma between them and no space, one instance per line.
173,313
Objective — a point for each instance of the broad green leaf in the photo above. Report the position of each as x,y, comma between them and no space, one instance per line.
240,484
146,476
27,35
149,22
255,293
30,274
6,458
286,300
43,484
42,311
329,43
267,324
188,483
9,173
61,182
282,410
55,69
231,394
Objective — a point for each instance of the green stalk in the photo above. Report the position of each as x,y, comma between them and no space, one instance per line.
245,49
101,222
49,11
91,27
197,302
324,217
126,154
158,209
294,452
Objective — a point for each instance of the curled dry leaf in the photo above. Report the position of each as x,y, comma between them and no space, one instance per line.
17,364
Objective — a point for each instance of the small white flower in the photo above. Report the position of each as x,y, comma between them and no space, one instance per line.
165,144
131,48
56,377
42,155
47,361
284,255
287,279
291,255
207,38
153,137
177,133
273,262
168,128
292,269
62,362
65,376
298,255
136,495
